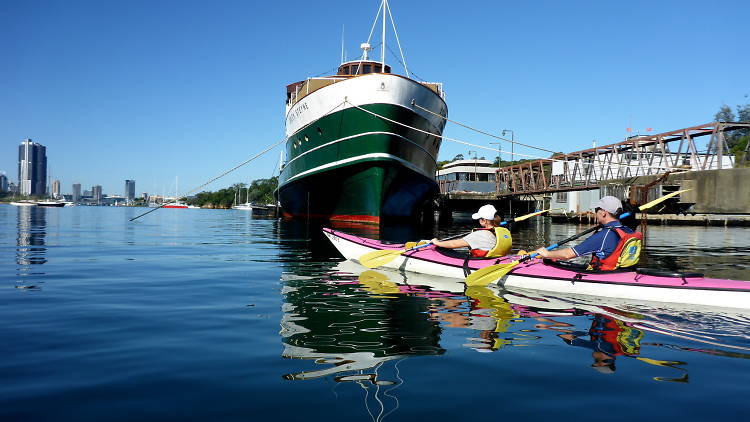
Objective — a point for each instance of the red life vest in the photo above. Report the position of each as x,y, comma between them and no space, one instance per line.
621,257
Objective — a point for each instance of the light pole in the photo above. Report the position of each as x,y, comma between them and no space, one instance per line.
475,164
512,161
497,172
512,144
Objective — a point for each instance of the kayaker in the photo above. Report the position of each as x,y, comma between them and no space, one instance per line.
489,241
606,246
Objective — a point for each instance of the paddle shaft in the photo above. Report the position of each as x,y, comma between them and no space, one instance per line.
574,237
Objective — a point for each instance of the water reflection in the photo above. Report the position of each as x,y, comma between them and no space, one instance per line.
353,320
32,226
345,323
352,325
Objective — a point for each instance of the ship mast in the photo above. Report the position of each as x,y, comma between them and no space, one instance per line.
382,52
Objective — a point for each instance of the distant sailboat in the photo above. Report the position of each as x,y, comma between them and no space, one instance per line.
177,203
247,206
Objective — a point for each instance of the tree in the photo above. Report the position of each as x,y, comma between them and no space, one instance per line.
458,157
743,113
725,114
734,138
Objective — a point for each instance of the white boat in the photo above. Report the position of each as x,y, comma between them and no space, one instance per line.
23,203
247,206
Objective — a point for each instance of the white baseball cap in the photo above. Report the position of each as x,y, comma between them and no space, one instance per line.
486,211
610,204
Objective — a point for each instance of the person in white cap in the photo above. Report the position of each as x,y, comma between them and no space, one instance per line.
602,244
482,240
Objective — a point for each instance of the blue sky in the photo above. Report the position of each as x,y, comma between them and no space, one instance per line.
154,90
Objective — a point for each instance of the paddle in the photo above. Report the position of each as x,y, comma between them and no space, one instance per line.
383,256
492,273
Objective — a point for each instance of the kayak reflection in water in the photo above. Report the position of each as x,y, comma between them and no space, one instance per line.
480,310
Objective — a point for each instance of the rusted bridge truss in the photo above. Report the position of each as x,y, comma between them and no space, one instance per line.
637,156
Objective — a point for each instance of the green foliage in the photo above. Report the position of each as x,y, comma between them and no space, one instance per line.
260,191
741,157
734,137
724,115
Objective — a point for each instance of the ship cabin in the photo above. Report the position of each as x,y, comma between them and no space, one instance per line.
476,175
361,67
298,90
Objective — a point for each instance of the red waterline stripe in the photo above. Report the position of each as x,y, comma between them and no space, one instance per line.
339,217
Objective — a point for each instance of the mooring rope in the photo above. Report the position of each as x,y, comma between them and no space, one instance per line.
235,167
216,178
446,138
414,103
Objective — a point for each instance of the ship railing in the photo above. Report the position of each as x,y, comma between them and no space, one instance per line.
436,87
311,85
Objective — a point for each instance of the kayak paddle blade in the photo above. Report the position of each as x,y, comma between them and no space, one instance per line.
524,217
658,200
489,274
380,257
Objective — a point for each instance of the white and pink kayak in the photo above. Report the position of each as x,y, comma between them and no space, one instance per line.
639,284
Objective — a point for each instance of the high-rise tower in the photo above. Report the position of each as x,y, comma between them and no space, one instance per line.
32,168
129,191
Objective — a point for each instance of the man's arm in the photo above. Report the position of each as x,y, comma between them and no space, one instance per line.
566,253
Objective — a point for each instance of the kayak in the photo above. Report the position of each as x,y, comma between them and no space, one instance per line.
640,284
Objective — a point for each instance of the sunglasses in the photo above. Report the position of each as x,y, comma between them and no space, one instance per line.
597,209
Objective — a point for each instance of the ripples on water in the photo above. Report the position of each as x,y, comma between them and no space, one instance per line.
214,315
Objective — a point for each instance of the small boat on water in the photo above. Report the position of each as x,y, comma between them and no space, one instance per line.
246,207
23,203
178,205
175,205
50,203
641,284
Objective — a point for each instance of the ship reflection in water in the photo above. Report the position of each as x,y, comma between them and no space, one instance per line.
31,249
356,324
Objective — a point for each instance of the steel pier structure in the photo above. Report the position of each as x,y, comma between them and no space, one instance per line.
674,151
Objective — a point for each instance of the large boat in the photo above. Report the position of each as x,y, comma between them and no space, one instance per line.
362,144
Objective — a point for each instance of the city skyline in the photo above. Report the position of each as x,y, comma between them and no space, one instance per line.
201,87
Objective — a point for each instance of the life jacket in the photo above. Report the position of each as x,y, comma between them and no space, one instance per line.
503,243
626,253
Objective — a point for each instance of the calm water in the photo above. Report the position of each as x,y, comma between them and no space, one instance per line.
197,315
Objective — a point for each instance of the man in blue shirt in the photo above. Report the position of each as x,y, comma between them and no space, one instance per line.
600,244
